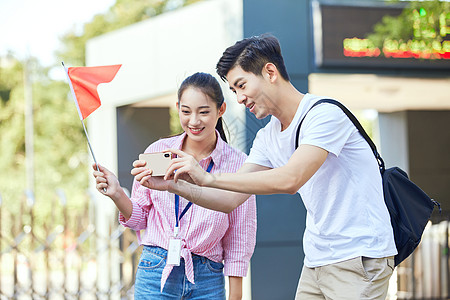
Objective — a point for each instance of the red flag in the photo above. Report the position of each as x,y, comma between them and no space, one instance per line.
85,81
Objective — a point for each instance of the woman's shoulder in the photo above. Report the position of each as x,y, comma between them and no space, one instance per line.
236,151
233,154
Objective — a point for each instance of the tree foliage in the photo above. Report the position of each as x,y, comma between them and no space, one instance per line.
59,143
60,148
425,23
121,14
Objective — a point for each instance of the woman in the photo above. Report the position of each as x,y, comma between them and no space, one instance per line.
212,244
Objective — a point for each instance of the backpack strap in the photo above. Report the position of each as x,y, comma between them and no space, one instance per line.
354,121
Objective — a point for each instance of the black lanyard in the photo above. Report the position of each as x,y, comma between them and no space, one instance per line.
177,200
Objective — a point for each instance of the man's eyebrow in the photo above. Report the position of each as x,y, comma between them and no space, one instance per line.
237,80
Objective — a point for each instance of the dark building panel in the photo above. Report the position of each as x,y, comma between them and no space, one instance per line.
137,127
429,159
278,257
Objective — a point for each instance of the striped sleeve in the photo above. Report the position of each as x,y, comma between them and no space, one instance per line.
140,199
240,239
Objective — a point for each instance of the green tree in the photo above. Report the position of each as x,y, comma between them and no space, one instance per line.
61,153
59,143
12,128
422,25
121,14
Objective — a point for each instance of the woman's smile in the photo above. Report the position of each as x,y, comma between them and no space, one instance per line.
196,130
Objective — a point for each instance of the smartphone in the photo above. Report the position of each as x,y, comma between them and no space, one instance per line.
158,162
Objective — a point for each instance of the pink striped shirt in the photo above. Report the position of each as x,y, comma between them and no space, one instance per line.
228,238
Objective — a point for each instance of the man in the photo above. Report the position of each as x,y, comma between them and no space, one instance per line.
348,241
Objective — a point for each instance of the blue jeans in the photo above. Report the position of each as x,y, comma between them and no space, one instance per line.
208,276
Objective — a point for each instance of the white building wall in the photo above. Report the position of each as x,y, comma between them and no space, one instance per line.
159,53
156,55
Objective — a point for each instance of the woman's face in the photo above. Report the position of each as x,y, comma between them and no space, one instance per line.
198,115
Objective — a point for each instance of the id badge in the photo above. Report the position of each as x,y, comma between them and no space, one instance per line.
174,252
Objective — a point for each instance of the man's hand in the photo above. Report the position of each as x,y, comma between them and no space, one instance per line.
144,176
185,167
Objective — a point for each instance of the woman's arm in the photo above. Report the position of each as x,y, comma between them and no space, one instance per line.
134,211
219,200
240,239
235,288
108,184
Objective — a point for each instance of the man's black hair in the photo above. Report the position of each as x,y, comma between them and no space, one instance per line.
252,54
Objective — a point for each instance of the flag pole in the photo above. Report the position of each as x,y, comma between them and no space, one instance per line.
81,117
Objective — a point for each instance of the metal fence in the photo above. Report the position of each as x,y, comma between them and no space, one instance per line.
425,274
63,255
56,256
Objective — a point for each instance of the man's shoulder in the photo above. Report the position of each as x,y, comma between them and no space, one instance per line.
327,111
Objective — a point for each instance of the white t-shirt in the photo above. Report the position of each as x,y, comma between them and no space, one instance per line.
346,215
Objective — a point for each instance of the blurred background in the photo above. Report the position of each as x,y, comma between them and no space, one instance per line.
388,61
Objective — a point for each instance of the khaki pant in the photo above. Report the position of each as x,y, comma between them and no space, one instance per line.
357,278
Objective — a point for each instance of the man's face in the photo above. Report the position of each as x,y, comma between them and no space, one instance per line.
251,90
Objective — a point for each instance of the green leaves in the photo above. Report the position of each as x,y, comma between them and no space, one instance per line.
121,14
421,22
60,148
58,138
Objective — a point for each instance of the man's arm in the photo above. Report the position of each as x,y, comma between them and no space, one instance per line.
211,198
225,192
288,179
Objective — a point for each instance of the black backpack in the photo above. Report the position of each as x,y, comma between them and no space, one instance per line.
410,208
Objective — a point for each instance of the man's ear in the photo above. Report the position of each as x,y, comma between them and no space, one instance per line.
270,72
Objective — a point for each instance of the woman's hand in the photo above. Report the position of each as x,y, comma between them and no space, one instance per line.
106,182
144,176
185,167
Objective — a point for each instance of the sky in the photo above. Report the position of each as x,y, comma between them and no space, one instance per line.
33,27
